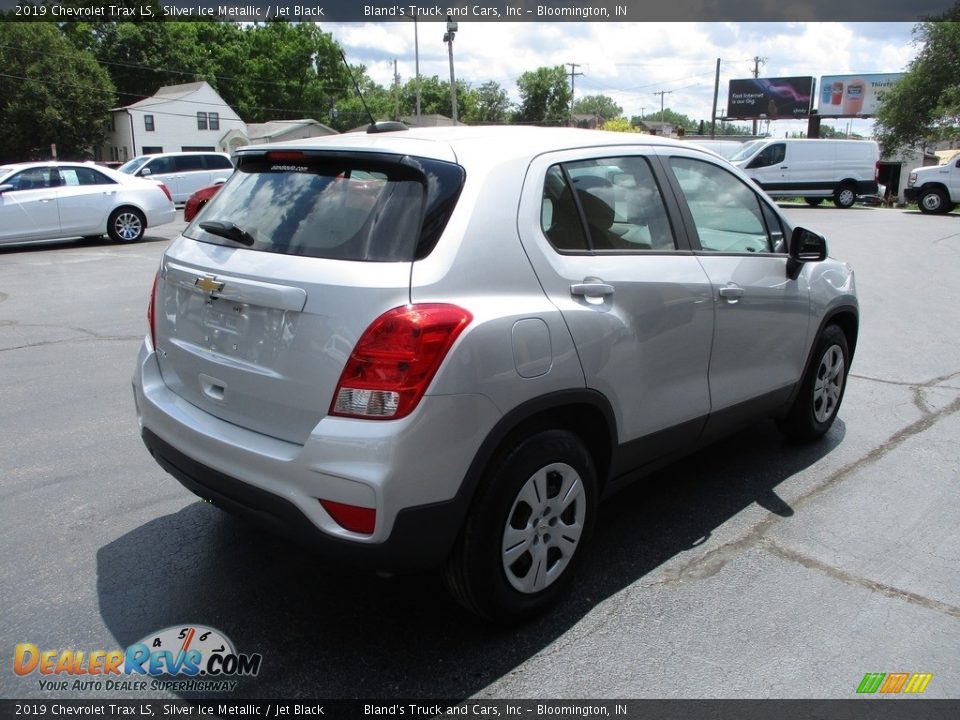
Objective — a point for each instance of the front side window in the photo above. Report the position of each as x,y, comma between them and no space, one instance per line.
37,178
770,155
727,214
346,208
607,204
148,123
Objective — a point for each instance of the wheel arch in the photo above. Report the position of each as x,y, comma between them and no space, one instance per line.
847,318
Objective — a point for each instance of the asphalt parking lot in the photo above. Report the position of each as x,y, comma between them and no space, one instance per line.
756,569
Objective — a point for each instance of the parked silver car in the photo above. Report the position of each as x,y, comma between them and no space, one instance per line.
443,347
54,200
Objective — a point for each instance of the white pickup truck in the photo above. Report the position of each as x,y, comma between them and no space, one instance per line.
936,189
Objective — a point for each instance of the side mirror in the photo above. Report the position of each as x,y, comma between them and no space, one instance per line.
805,246
5,187
145,172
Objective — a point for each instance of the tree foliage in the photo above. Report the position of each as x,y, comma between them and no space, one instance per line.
600,105
924,105
50,93
544,97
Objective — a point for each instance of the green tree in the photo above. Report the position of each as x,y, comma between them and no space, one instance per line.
491,104
600,105
544,97
678,120
620,124
50,93
924,105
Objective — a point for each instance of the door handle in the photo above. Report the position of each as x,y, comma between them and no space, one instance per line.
591,288
731,293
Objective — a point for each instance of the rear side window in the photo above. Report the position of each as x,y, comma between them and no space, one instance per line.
338,206
608,204
188,163
218,162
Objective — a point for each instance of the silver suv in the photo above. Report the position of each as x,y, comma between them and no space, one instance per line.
443,347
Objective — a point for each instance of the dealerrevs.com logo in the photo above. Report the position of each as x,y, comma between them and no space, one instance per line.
182,658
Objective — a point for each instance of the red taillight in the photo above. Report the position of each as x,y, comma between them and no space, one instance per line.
351,517
152,311
395,360
166,191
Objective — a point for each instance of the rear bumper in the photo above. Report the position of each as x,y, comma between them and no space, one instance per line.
410,470
421,536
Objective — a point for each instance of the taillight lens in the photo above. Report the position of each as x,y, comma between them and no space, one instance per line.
395,360
152,311
166,191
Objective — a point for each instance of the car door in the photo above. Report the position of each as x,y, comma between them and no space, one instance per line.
635,299
86,198
762,315
163,169
28,211
770,169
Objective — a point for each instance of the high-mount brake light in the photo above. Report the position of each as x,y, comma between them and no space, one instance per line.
285,155
395,359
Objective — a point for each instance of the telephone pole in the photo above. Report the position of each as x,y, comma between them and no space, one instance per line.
661,93
757,62
573,74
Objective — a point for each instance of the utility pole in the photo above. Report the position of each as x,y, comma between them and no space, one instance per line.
716,91
661,93
451,33
573,74
757,62
396,91
416,59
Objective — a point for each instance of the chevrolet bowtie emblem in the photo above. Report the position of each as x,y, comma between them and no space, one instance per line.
209,284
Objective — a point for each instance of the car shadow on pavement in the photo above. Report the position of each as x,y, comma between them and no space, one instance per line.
326,633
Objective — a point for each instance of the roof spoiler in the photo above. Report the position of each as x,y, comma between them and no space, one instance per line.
386,126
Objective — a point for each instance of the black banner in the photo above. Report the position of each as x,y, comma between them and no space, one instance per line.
468,11
862,709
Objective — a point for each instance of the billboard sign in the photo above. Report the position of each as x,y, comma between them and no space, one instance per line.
773,98
853,95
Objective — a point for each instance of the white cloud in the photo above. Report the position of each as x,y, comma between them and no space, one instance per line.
631,61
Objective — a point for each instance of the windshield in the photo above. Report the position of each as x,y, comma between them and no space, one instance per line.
131,166
346,208
746,151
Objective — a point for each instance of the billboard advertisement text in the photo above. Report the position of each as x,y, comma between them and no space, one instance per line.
853,95
786,97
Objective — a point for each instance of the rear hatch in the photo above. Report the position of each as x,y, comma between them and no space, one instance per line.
261,301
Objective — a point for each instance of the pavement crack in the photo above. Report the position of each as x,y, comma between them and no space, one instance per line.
712,562
857,581
904,383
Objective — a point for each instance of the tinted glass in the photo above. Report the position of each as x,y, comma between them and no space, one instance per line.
616,199
32,179
342,208
218,162
70,176
187,163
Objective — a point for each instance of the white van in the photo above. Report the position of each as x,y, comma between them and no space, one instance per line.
812,169
182,172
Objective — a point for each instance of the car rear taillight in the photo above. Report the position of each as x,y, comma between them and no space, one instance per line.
395,359
166,191
351,517
152,311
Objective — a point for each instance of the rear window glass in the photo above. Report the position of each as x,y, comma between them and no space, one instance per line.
339,207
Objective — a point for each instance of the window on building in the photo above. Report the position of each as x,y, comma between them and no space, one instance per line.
201,121
148,123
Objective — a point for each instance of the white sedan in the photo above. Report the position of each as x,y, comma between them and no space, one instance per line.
53,200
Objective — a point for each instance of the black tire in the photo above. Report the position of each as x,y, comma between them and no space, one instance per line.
549,536
821,391
845,196
813,201
126,225
934,202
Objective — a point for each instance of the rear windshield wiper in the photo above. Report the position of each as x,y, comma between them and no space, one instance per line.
229,231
